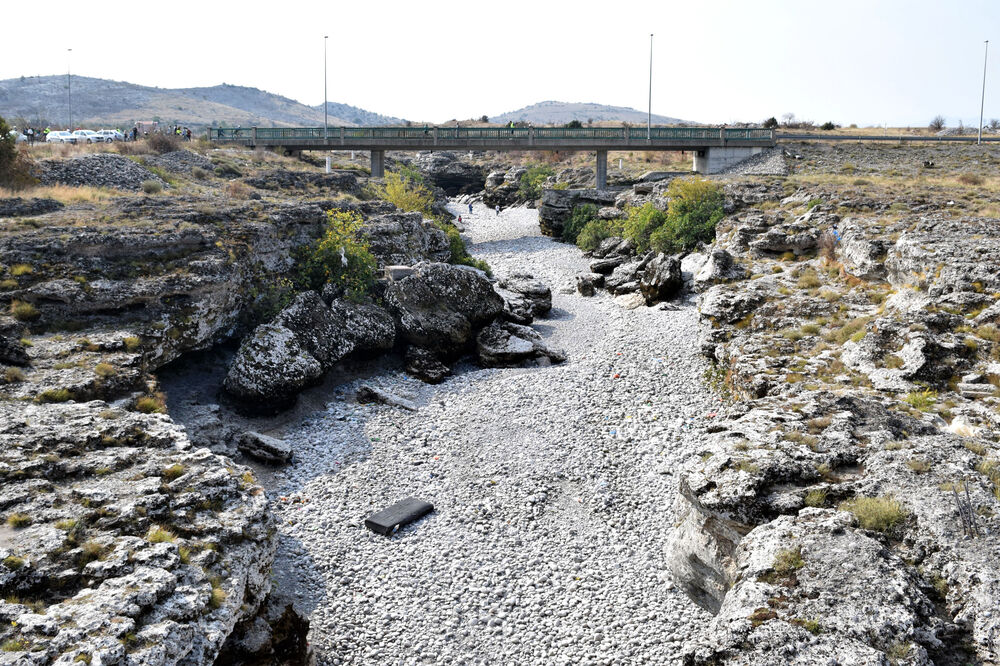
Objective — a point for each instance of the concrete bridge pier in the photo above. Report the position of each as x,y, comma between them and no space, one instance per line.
378,164
714,160
602,169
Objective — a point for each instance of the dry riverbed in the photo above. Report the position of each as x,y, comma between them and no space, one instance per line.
552,488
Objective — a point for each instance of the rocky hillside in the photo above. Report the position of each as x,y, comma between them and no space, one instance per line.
844,507
558,113
100,102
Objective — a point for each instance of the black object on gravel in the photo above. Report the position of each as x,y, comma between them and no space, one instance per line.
403,512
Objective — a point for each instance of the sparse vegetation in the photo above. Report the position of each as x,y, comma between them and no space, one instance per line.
922,400
160,535
341,257
880,514
173,472
18,520
152,186
788,561
23,311
531,181
149,404
579,218
105,370
54,395
13,375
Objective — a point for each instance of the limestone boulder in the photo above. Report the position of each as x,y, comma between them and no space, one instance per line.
440,306
505,344
661,278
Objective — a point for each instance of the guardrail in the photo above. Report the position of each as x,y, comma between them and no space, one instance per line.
543,134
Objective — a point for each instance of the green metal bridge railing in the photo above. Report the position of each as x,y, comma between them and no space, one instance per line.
491,133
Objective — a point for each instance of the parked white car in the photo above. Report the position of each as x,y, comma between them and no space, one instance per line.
60,136
87,136
110,135
18,137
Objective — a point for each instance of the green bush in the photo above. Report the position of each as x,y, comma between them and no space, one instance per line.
405,190
641,224
531,181
340,256
151,186
15,165
595,231
694,210
577,221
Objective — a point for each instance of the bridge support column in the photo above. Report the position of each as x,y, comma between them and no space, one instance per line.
602,169
378,164
714,160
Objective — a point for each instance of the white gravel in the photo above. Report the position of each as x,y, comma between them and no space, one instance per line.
552,489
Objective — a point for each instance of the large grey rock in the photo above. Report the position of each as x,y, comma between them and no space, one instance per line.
718,268
264,448
440,306
271,368
661,279
405,239
525,296
368,327
12,352
425,365
505,344
557,206
321,331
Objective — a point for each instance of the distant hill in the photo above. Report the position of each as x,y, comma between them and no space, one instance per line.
100,102
558,113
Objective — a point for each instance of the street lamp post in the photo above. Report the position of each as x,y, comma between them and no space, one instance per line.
69,85
326,130
982,100
649,110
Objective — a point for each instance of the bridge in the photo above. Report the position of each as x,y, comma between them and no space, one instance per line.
715,148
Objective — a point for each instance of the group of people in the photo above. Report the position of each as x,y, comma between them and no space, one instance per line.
184,133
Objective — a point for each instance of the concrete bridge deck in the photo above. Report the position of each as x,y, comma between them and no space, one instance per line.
714,147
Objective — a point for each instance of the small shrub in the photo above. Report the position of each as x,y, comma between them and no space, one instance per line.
595,231
105,370
18,520
761,615
54,395
788,561
922,400
808,280
8,285
919,465
160,535
341,256
695,208
152,186
236,190
530,187
14,645
579,218
405,191
23,311
881,514
970,179
173,472
199,174
150,405
17,270
816,498
893,362
13,562
13,375
131,343
163,143
641,224
812,626
218,597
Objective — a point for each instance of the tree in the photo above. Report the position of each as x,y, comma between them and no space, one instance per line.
771,123
937,123
484,119
827,126
994,124
15,166
573,124
788,119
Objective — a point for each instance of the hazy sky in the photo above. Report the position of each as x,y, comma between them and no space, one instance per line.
869,62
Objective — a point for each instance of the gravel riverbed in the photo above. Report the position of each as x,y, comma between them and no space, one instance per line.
552,486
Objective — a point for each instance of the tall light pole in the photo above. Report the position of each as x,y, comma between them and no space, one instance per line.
982,100
649,111
69,85
326,130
